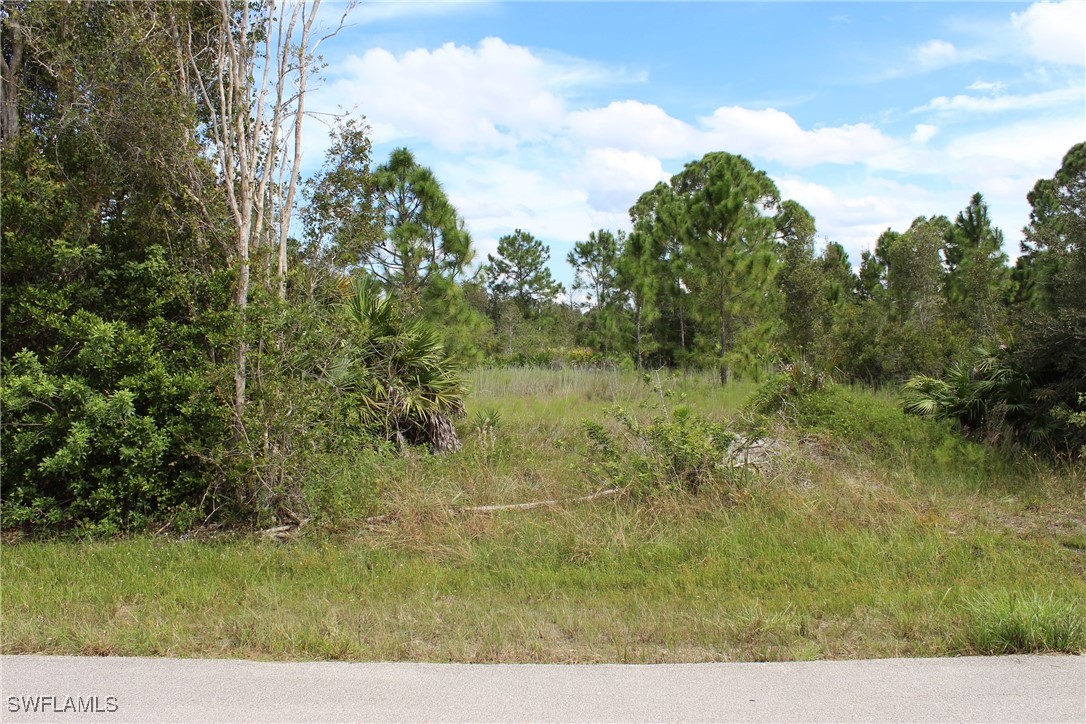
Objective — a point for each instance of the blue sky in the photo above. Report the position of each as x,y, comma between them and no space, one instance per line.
554,117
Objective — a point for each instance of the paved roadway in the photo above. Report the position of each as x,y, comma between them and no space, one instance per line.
1003,689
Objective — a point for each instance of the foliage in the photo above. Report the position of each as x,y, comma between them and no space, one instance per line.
519,273
115,281
104,433
875,426
801,281
1050,334
401,382
424,238
1025,623
340,217
680,451
795,380
595,264
1028,393
977,275
725,237
984,394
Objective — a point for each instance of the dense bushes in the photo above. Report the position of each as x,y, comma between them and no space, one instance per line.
104,431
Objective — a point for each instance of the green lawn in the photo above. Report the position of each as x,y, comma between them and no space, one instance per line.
830,551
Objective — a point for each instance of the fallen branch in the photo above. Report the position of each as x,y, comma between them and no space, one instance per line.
285,532
536,504
455,510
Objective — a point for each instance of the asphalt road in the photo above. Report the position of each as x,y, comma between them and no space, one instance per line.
1003,689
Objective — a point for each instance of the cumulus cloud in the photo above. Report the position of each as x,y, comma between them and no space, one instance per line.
634,126
529,191
759,133
1054,32
854,216
1033,148
456,97
775,135
500,125
614,179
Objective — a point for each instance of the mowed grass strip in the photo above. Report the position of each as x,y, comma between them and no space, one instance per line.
826,555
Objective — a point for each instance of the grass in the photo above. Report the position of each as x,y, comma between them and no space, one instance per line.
833,553
1013,623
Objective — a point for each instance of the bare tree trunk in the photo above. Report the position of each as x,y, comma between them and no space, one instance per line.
682,324
299,114
246,138
442,434
9,80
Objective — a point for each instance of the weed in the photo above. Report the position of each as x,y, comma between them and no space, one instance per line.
1021,623
679,451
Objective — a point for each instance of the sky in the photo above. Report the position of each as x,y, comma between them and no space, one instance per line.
553,117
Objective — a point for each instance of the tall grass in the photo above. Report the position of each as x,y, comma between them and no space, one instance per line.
1019,622
848,544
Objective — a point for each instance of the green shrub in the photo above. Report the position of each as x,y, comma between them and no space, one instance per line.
875,423
780,392
344,486
1020,623
677,451
102,434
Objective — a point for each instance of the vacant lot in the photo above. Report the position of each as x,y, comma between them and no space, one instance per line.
858,533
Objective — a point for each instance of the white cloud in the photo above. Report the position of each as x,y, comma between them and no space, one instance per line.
528,191
1032,148
766,133
923,133
775,135
1054,32
497,123
935,54
614,179
634,126
854,216
999,103
987,87
454,97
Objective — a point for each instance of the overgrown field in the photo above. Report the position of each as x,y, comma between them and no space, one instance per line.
858,532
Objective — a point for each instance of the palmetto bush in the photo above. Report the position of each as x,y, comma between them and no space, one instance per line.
986,395
402,383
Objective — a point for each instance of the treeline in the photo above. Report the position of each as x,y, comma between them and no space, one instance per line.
180,345
720,272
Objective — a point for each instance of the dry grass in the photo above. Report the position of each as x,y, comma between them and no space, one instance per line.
830,555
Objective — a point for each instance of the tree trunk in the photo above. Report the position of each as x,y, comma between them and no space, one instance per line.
442,434
241,302
9,83
723,331
288,205
682,325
